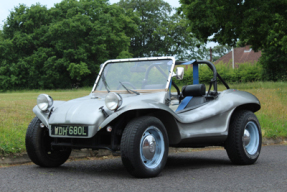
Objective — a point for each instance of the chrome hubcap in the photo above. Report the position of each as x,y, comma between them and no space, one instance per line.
246,137
148,147
152,147
251,138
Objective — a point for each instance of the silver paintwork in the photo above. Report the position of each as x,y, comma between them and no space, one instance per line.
43,115
142,101
211,119
207,121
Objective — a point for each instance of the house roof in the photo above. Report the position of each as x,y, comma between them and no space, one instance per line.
241,55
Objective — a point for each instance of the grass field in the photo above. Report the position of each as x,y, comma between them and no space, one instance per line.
16,111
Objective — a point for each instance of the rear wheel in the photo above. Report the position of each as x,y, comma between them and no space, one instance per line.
244,140
38,146
144,147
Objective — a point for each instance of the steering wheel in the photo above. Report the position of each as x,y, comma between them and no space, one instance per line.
127,83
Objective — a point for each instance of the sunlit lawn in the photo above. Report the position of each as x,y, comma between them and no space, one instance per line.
16,111
273,113
16,114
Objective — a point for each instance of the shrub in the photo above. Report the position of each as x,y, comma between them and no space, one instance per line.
246,72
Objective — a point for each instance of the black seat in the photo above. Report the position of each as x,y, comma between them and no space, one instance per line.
197,92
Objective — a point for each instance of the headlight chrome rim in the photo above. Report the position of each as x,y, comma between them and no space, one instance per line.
44,102
113,101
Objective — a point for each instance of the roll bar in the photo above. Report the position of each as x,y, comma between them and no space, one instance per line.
195,72
212,67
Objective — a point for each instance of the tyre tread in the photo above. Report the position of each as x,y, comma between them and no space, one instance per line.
128,146
35,150
233,144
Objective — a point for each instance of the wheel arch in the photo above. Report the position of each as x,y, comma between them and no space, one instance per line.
248,106
234,145
254,107
165,117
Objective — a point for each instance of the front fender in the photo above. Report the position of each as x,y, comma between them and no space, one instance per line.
139,105
43,115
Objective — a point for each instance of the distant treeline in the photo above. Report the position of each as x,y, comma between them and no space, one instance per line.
63,46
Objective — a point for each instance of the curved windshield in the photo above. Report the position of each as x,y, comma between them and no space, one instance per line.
135,75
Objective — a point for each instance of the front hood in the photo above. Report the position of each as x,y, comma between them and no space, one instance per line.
81,111
85,110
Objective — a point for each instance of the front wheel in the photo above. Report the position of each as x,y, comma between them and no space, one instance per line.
144,147
38,146
244,140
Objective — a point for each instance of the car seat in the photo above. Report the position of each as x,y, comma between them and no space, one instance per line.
193,95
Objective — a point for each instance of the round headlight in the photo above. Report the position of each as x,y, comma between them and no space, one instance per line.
44,101
113,101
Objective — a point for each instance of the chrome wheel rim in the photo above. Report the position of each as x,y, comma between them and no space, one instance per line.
152,147
250,138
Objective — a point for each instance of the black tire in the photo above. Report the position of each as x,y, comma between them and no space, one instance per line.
144,160
241,149
38,146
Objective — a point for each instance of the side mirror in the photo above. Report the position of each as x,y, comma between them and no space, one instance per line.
179,73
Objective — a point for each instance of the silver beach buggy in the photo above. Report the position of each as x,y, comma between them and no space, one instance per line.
131,109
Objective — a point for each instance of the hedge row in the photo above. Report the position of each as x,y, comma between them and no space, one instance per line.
246,72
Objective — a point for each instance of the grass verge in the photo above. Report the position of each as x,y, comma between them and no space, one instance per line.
16,114
16,111
273,113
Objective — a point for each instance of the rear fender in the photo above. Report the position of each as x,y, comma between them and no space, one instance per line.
248,106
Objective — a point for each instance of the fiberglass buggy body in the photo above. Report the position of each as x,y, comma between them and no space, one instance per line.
131,109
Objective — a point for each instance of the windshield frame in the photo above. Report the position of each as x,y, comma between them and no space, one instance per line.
136,59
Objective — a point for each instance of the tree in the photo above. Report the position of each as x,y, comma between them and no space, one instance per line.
260,23
1,35
61,46
161,32
152,14
87,33
22,32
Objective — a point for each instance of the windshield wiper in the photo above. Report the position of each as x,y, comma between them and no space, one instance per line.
129,90
105,82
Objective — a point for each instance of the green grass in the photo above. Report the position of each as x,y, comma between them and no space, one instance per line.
16,114
16,111
273,113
